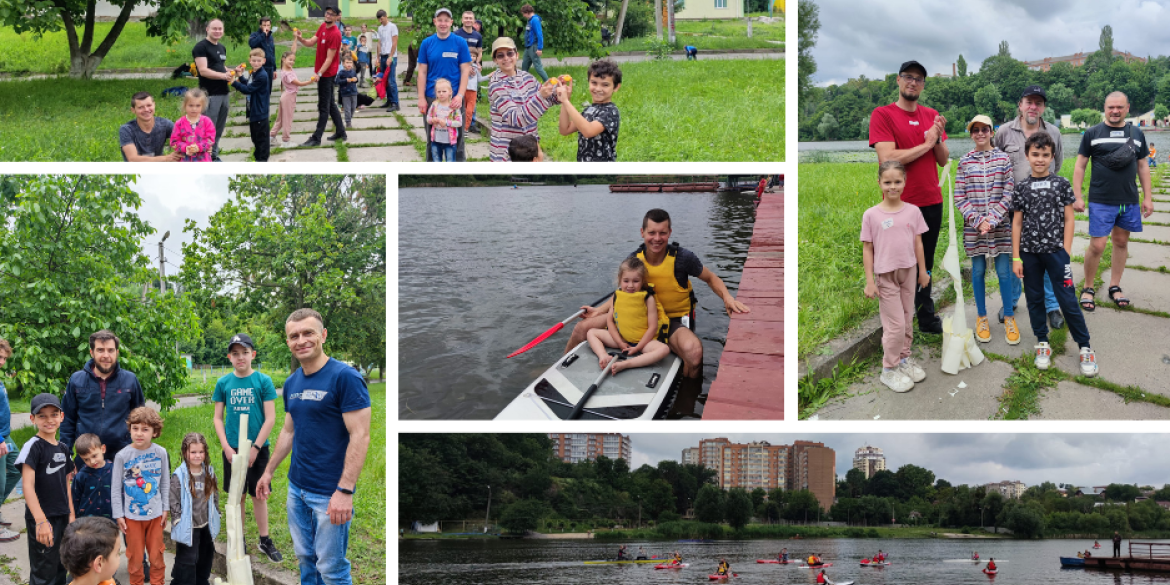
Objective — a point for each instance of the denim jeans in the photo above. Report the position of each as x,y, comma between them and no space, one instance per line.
442,152
1050,303
389,78
1009,285
9,474
320,546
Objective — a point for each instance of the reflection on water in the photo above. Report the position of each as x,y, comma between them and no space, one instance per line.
482,271
913,562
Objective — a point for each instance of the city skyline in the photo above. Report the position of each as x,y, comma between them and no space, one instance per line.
973,459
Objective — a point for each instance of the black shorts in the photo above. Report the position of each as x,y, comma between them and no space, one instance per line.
676,324
253,475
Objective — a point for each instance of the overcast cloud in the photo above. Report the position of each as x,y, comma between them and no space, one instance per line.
168,201
1083,460
872,38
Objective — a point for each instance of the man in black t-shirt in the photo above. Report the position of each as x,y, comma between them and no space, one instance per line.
211,59
1113,198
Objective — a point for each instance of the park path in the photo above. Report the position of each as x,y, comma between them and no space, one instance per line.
1133,349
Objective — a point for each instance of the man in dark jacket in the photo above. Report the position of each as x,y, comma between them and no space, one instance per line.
99,397
262,39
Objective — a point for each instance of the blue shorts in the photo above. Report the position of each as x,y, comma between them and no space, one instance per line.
1103,216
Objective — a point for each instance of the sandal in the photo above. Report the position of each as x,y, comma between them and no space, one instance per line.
1117,299
1090,305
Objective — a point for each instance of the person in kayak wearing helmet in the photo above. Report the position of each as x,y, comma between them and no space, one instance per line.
724,568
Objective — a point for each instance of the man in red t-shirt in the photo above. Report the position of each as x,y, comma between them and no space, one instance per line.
915,135
327,39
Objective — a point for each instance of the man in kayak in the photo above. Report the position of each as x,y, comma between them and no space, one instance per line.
724,568
815,560
991,564
677,559
783,556
670,269
823,578
974,556
622,554
641,554
881,556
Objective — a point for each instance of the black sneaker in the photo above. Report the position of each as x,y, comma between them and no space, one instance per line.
337,137
312,142
146,571
392,108
269,549
930,325
1055,320
474,129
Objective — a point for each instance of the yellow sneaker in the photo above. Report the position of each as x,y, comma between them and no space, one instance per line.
1011,331
982,330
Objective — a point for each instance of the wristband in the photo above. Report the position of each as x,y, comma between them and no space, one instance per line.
1016,260
345,491
256,447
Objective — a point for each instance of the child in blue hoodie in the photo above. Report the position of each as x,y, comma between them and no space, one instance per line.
92,485
260,85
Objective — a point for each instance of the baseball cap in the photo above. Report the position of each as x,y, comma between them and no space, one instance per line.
503,43
1034,90
980,119
242,339
442,10
911,65
42,400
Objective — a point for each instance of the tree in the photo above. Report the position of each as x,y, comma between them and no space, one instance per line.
801,506
1023,520
961,65
1060,99
569,25
809,25
992,506
1106,42
425,498
169,22
883,484
738,509
913,481
709,504
828,127
71,263
1120,492
855,483
292,241
1004,51
523,516
1086,116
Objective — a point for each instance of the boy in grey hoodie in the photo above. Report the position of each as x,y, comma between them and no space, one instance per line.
141,496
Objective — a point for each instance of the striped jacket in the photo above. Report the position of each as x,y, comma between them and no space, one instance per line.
516,107
983,191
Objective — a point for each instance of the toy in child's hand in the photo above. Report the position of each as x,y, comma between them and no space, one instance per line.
565,79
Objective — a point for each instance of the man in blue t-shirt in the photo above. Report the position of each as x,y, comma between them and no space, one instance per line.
327,430
443,56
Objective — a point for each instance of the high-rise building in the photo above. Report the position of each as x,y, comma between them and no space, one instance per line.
1009,489
754,465
802,465
869,460
578,447
690,456
815,470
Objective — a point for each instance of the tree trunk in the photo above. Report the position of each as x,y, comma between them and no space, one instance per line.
83,65
658,18
83,62
617,37
670,20
196,29
749,27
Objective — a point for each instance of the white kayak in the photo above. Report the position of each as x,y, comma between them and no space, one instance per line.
636,393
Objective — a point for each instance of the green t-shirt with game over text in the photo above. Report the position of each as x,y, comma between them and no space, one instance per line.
244,396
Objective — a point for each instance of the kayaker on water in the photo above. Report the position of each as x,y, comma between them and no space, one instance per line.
622,554
783,557
815,560
670,269
724,568
677,558
881,556
637,318
991,564
642,554
823,578
974,556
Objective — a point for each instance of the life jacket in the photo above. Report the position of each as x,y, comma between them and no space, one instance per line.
820,578
629,314
991,566
676,300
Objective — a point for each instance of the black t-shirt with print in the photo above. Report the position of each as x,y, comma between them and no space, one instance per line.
1042,199
51,468
1105,184
603,147
216,54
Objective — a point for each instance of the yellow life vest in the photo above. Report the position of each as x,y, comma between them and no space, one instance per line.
629,314
675,300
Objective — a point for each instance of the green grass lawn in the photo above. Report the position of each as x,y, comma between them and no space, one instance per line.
367,550
713,35
833,197
685,110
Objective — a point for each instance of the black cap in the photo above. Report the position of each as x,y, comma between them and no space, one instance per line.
42,400
911,65
1034,90
242,339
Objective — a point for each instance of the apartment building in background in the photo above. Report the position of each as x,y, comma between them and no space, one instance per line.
578,447
1008,489
869,460
802,465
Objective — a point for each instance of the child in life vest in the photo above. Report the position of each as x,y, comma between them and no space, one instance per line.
637,318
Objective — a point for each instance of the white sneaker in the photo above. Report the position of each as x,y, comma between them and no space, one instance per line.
1088,362
897,381
912,370
7,535
1043,356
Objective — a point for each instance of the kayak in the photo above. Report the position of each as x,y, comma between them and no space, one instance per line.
1072,562
775,562
625,562
873,564
1096,546
636,393
820,566
992,573
717,577
672,566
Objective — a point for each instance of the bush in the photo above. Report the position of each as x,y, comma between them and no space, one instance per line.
639,20
872,533
661,50
689,530
669,516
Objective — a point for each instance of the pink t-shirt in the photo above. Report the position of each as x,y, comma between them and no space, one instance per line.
893,236
286,82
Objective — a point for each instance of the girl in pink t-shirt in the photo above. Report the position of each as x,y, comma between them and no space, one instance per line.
891,232
289,85
194,133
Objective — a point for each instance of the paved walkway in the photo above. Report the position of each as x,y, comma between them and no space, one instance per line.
1133,349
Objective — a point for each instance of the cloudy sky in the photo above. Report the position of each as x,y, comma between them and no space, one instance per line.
169,200
1080,459
872,38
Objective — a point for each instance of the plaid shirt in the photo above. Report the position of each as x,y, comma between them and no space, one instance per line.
983,191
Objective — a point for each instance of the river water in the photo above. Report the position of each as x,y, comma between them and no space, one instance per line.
914,562
859,150
483,271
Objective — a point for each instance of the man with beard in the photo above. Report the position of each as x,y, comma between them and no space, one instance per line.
99,397
915,136
1010,138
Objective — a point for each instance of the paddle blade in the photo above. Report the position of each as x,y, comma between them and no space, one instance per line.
534,342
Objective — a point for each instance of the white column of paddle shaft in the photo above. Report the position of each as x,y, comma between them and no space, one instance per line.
239,566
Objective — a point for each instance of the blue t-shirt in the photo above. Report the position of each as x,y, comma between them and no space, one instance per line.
5,415
316,403
443,58
474,38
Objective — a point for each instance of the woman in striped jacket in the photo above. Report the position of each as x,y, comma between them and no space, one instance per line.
983,192
518,100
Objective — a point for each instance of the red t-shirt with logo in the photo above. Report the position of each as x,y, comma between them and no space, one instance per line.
907,130
328,37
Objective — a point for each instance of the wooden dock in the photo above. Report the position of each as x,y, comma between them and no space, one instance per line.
750,382
1143,556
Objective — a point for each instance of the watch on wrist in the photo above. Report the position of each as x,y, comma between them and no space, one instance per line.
255,446
345,491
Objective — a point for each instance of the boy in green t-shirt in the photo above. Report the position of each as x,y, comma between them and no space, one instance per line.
246,391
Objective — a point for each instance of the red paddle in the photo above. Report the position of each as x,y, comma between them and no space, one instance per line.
555,328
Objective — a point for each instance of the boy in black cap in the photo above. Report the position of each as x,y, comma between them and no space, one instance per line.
48,502
246,391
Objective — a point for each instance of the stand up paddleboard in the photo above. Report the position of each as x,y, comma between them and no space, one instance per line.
775,562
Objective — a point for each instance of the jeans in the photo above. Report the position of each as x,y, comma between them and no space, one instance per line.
217,110
320,546
460,154
1056,267
327,108
1009,285
531,59
9,475
389,78
442,152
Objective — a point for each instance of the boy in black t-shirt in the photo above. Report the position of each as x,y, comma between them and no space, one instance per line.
1042,232
45,466
597,126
